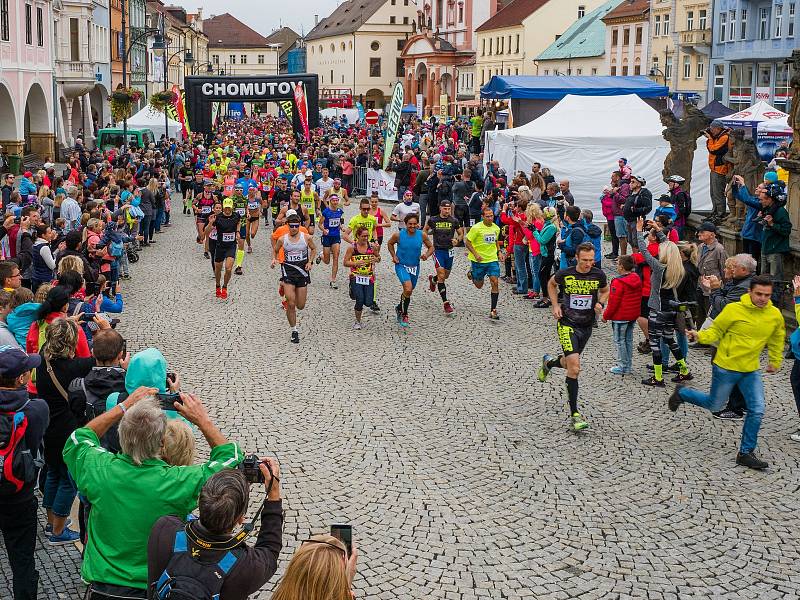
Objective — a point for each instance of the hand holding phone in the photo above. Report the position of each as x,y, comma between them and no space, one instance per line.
345,534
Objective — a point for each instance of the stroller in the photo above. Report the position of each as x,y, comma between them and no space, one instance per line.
133,255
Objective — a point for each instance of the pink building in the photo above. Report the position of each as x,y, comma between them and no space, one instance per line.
26,77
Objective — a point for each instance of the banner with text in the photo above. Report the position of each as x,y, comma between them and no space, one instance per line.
393,122
383,183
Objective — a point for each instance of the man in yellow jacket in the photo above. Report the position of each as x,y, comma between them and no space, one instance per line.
742,330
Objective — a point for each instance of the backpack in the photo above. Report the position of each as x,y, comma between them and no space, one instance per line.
683,204
116,249
185,578
17,464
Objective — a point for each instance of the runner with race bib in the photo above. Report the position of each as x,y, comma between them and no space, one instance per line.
447,233
405,247
361,257
483,243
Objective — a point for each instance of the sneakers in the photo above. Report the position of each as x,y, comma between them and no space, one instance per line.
681,378
542,304
238,270
612,256
448,308
431,283
675,399
219,292
795,437
398,313
206,255
223,293
653,382
317,260
333,285
295,337
357,326
375,308
617,370
469,274
545,370
249,249
66,537
494,316
751,461
578,422
48,529
532,296
728,415
404,321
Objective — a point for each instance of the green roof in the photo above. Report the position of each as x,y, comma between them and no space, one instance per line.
586,37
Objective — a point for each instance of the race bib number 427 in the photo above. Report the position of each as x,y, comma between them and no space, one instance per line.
580,301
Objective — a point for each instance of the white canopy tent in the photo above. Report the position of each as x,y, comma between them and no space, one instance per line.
581,139
147,118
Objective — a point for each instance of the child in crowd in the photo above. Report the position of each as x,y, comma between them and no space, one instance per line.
624,307
666,208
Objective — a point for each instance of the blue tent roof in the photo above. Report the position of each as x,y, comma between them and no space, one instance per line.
408,109
556,87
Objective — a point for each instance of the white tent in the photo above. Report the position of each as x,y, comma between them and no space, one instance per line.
581,139
147,118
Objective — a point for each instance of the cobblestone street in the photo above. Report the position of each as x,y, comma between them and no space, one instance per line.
453,463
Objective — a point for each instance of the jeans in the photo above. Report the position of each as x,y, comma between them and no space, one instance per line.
159,219
535,264
722,382
144,228
124,265
772,264
59,490
612,232
623,339
423,208
520,258
718,200
19,526
401,189
683,344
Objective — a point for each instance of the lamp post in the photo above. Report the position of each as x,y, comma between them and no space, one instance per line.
654,71
160,50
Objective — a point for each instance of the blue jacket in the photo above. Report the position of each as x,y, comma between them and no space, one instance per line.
666,210
573,236
750,230
20,319
596,237
26,187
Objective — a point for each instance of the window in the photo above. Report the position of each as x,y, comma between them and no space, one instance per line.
578,71
638,36
405,20
39,27
689,20
331,75
783,92
401,43
439,12
614,37
626,36
701,68
374,67
719,82
743,24
687,67
668,67
732,26
261,59
581,11
624,69
702,20
490,46
215,59
740,92
516,45
502,42
509,44
244,59
547,71
613,71
516,71
594,70
342,47
460,13
392,19
483,47
29,24
790,30
400,68
666,24
74,40
763,20
5,32
723,26
333,49
657,26
778,20
394,2
232,59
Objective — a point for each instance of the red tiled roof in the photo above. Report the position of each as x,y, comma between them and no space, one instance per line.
226,31
513,14
629,8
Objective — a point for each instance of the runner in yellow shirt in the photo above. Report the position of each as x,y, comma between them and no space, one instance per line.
483,243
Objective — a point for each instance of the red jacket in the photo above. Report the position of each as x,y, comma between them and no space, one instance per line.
625,299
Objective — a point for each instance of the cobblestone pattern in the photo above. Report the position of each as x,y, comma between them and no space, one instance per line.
453,463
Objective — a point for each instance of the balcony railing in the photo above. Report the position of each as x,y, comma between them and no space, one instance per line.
696,37
80,69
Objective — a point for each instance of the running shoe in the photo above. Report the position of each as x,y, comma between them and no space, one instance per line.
728,415
532,296
469,274
545,370
431,283
219,292
206,255
223,293
334,285
375,308
617,370
295,337
448,308
612,256
357,326
249,249
795,437
65,537
542,304
48,529
749,459
494,316
238,270
680,378
578,422
405,322
398,311
653,382
675,399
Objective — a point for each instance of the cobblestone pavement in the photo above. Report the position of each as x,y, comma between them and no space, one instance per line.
453,463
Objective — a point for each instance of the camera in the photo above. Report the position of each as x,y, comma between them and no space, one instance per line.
167,401
249,467
680,306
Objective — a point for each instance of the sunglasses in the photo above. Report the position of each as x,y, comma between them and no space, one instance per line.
294,225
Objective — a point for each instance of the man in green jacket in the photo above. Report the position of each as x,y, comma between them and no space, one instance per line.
131,490
776,230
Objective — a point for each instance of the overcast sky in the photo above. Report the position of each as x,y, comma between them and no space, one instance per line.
266,15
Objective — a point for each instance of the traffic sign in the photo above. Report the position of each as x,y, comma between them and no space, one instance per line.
371,117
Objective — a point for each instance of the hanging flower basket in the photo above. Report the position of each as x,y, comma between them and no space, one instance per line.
160,100
121,101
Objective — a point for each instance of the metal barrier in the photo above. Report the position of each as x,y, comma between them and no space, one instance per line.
360,182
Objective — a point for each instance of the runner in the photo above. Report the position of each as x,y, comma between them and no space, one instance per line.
202,209
361,257
344,196
483,243
584,292
324,185
279,232
310,200
382,220
294,204
331,237
211,238
280,200
253,214
404,208
227,228
405,247
363,219
240,206
299,252
447,233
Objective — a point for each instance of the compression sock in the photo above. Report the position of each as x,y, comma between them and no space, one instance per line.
554,362
572,395
239,258
406,300
495,296
442,291
683,366
658,372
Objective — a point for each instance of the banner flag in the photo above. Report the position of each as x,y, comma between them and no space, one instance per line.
302,108
393,122
361,112
286,107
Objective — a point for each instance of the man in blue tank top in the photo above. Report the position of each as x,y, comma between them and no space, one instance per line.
405,247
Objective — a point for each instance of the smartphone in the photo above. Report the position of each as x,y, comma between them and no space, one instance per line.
167,401
345,534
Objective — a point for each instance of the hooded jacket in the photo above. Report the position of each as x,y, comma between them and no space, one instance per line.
596,237
638,204
147,368
625,299
94,389
742,330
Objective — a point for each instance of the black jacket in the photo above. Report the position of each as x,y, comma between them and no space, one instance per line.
638,205
38,418
92,391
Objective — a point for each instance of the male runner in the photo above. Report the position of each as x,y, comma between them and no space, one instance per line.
280,231
331,237
211,238
299,252
280,200
294,204
362,218
447,233
405,248
240,207
483,243
324,185
584,292
309,200
344,197
227,227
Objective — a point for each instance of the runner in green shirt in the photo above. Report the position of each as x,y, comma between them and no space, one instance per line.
483,243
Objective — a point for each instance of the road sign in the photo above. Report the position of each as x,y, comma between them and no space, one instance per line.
371,117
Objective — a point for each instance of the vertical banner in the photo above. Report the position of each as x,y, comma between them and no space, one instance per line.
393,122
286,108
302,108
420,103
177,111
444,103
361,112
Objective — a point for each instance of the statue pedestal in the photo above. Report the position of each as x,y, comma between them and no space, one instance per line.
793,195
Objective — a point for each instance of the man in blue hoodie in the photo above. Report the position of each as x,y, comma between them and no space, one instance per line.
595,236
572,235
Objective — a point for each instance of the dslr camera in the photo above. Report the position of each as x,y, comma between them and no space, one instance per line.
249,467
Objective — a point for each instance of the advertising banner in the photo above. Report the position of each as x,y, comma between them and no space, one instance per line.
302,108
286,109
383,183
361,113
420,105
393,122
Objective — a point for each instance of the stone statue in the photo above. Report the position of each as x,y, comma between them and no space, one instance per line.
682,136
794,111
748,164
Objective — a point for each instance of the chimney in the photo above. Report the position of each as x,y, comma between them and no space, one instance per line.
316,20
199,13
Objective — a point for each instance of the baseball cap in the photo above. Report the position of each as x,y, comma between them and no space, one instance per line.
665,198
708,226
291,213
15,361
309,173
27,174
227,203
